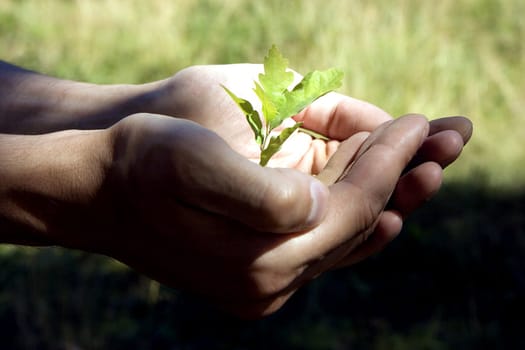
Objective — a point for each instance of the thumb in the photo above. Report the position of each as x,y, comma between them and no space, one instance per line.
272,199
267,199
204,172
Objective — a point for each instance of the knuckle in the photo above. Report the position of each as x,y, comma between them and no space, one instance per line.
284,206
278,206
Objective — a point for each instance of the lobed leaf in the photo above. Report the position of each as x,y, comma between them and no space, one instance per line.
314,85
276,77
279,103
269,109
274,81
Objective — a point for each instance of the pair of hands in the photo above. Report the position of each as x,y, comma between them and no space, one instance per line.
247,237
179,199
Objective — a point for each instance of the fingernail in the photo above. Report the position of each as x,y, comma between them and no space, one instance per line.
319,194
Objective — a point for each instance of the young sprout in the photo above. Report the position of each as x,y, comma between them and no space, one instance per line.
279,102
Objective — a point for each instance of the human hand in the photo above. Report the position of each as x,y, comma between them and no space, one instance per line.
214,217
193,214
42,104
420,180
195,93
171,199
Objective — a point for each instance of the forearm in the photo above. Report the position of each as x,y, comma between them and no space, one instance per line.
33,103
48,182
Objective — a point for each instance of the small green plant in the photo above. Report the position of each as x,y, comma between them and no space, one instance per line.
279,102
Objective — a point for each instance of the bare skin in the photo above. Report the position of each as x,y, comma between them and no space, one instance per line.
162,177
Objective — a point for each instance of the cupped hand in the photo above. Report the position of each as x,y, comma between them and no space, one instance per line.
192,213
181,199
195,93
419,181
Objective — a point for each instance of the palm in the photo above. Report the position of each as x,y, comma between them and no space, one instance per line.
199,97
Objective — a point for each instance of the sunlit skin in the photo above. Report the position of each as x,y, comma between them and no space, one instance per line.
164,178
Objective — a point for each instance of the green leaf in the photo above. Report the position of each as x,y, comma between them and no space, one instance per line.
279,103
273,83
276,142
276,78
314,85
252,116
269,109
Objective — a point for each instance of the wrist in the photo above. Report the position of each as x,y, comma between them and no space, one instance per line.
88,106
50,185
32,103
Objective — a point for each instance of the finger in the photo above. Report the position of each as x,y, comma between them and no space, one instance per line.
314,159
459,124
447,136
357,202
377,168
413,189
197,167
443,148
323,154
339,117
268,199
358,199
416,187
387,229
342,158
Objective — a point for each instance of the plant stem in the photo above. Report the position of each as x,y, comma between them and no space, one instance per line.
314,134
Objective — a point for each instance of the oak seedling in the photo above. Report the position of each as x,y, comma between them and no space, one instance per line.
280,102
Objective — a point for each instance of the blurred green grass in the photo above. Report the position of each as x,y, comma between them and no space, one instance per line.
435,58
463,57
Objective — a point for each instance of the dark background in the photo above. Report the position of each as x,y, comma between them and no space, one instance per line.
454,279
